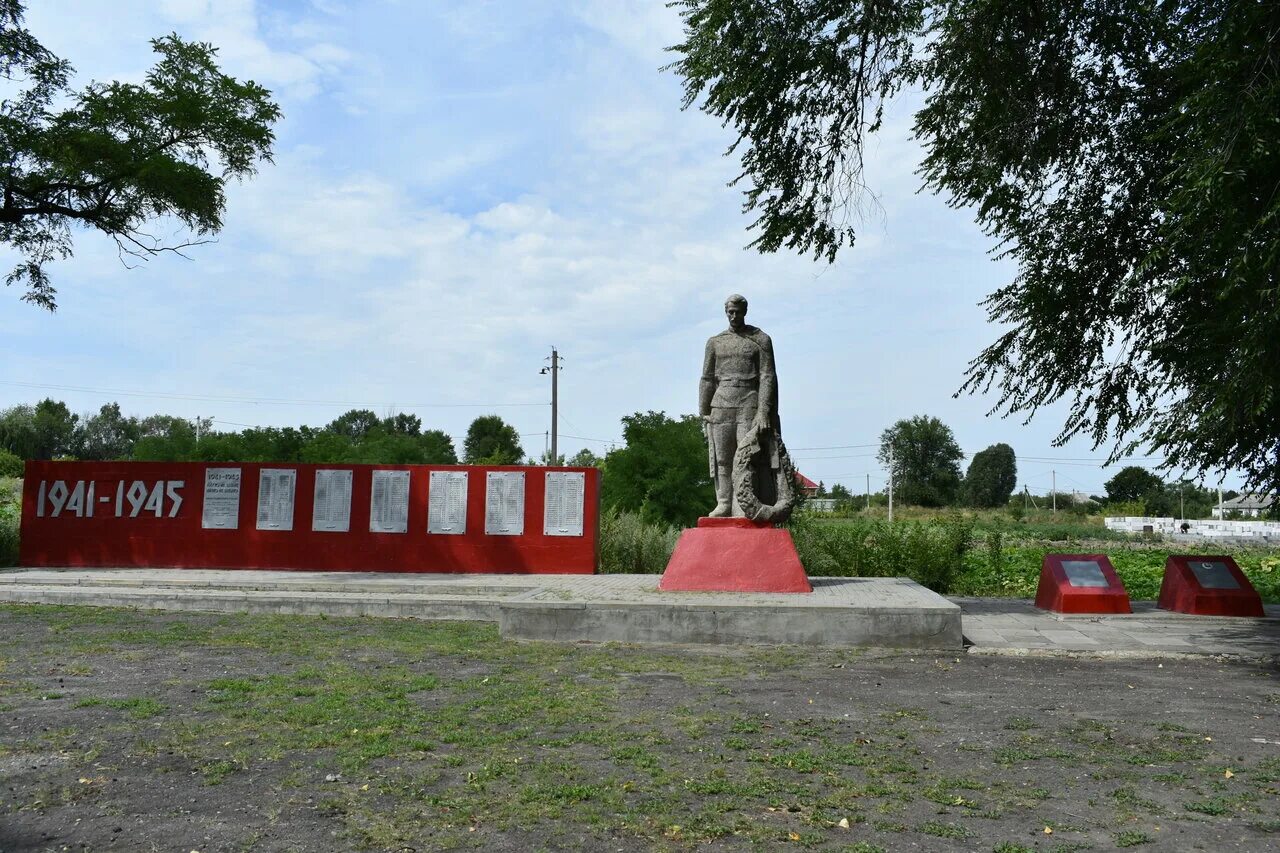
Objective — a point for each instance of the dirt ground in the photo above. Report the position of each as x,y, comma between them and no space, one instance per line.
124,730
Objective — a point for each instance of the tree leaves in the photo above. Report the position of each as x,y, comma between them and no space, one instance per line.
1125,156
122,154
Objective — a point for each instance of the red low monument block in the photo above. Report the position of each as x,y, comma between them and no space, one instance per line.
1080,583
1207,586
735,555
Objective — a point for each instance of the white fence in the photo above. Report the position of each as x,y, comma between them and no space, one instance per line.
1261,531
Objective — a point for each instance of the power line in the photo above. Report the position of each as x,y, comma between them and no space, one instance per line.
213,398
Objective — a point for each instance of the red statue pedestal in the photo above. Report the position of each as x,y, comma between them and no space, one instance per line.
735,555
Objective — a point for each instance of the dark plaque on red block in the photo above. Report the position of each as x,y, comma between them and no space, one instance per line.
1080,583
1207,586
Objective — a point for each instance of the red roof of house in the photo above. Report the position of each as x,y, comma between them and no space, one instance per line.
805,482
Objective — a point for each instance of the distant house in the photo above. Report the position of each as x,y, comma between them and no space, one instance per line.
806,485
1246,506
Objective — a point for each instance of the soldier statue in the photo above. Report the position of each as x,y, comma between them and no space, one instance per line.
738,402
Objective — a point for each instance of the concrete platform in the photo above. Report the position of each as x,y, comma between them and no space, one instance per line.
866,612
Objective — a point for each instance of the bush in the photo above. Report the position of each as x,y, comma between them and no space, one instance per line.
631,545
11,465
10,513
929,552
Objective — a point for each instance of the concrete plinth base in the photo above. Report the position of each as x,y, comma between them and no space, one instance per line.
878,612
734,555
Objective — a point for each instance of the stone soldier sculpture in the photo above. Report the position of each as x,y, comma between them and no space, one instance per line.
738,402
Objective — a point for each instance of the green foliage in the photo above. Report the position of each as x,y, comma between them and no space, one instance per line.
992,477
662,471
492,441
1126,157
585,459
631,545
924,458
106,435
11,465
10,516
1131,484
929,552
114,156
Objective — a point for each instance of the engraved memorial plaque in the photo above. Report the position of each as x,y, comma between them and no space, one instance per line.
389,505
331,509
275,498
447,502
1082,573
562,503
1213,574
221,499
504,503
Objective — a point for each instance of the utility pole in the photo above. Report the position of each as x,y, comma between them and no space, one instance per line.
1182,507
554,370
1055,493
1220,515
868,491
891,484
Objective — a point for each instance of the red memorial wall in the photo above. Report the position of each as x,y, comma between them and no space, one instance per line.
398,518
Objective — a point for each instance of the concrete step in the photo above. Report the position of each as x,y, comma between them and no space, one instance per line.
878,612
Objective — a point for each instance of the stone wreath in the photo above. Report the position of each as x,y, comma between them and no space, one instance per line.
743,489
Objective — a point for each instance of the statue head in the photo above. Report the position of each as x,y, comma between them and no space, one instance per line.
735,308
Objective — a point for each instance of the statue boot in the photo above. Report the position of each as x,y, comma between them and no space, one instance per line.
724,497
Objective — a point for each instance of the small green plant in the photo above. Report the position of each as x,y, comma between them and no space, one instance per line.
1132,838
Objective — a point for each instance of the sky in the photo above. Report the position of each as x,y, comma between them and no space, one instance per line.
457,188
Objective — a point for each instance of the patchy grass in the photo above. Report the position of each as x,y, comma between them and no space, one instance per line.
406,734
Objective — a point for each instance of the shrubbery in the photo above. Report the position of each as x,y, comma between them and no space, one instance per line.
10,514
631,545
11,465
929,552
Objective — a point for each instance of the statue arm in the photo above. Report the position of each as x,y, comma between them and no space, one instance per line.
768,396
707,387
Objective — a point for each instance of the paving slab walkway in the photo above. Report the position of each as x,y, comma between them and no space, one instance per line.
992,626
1016,626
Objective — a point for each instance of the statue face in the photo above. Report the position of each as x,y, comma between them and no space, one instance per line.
737,314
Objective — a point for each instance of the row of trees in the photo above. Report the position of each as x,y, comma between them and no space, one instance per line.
49,430
925,460
660,472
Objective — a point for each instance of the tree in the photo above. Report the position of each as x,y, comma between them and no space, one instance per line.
354,424
992,477
402,424
164,438
662,471
492,441
1124,155
840,493
114,156
1132,483
18,432
106,435
437,448
584,458
923,455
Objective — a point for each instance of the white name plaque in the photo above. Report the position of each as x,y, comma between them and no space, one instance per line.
562,503
447,502
275,498
504,503
389,507
331,509
221,499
